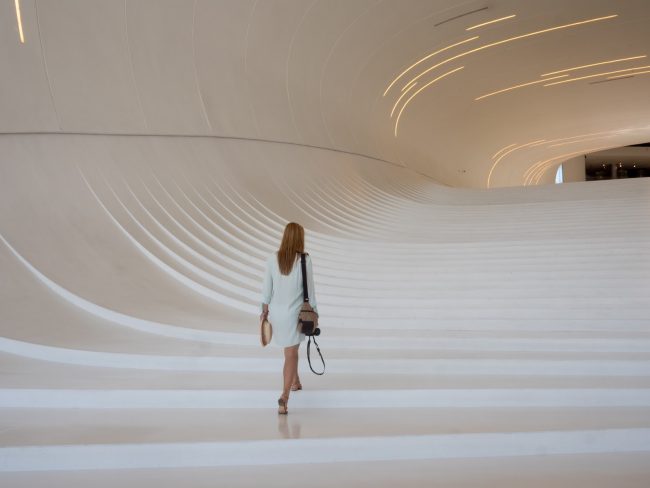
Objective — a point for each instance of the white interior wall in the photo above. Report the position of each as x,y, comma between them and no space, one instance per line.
315,73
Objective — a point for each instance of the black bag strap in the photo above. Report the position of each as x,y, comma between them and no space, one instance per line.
303,264
319,353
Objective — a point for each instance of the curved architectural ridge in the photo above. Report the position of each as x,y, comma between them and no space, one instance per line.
300,451
526,307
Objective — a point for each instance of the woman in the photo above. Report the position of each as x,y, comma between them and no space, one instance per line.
281,301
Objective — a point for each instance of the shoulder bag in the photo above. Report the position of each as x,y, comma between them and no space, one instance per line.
307,318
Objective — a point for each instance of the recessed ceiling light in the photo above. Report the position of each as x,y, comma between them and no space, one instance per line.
20,22
407,87
497,43
424,59
418,91
536,82
505,154
537,170
490,22
596,75
628,75
593,64
402,96
502,149
579,140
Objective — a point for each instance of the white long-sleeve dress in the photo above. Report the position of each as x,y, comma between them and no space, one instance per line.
283,293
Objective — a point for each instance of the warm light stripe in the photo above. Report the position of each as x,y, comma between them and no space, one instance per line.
490,22
505,154
523,36
580,140
400,98
423,87
424,59
503,149
519,86
538,173
20,22
594,64
595,76
540,165
408,87
588,134
628,74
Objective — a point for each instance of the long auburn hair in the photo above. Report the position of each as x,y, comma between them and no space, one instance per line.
293,241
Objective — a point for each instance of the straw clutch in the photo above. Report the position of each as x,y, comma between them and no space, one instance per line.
266,332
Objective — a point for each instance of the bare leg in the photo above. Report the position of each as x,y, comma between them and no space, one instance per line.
296,385
290,371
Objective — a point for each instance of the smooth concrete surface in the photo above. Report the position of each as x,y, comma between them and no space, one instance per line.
460,327
629,470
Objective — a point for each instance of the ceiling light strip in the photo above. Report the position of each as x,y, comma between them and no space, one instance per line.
424,59
408,87
400,98
19,21
490,22
594,64
511,39
579,140
629,74
417,92
519,86
503,149
586,135
596,75
505,154
540,172
537,170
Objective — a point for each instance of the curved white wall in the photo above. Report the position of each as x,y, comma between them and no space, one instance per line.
152,152
315,73
131,267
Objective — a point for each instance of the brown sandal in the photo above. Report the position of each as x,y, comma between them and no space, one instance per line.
282,406
296,386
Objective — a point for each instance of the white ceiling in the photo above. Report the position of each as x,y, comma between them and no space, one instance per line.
313,72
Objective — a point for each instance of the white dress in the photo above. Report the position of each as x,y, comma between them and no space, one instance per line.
283,294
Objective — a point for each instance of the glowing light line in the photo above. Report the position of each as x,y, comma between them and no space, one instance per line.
490,22
505,154
406,87
593,64
595,76
424,59
629,74
579,140
503,149
400,99
519,86
533,170
423,87
539,172
523,36
20,21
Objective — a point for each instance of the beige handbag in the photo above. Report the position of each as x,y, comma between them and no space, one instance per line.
308,319
266,332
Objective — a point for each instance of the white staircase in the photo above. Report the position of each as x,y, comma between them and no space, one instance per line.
498,337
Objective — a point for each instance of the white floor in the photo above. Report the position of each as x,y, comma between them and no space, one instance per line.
494,338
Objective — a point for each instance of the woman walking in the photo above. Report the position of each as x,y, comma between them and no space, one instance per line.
282,297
